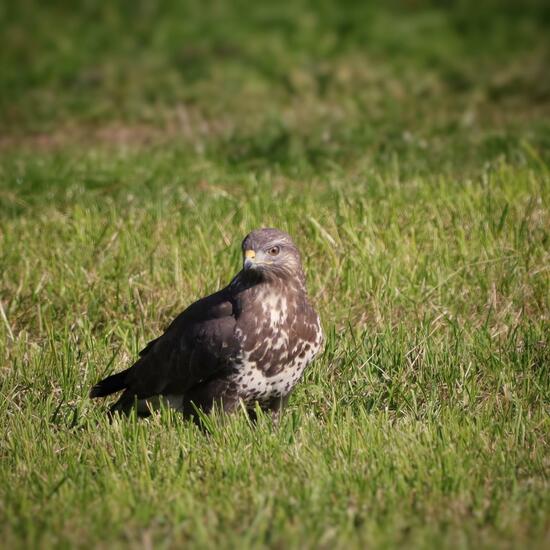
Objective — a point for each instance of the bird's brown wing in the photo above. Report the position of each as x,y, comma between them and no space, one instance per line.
198,345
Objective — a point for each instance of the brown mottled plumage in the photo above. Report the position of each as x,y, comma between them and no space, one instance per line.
249,342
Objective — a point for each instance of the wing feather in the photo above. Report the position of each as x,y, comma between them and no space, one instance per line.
197,345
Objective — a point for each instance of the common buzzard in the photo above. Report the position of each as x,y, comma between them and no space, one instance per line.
248,342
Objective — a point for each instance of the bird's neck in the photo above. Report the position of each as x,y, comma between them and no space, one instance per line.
254,284
275,291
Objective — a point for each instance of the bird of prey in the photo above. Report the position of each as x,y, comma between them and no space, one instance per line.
247,343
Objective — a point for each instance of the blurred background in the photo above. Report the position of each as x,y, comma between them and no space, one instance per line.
298,85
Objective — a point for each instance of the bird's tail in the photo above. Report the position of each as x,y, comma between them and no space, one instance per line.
109,385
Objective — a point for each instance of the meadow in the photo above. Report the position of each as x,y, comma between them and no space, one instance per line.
405,145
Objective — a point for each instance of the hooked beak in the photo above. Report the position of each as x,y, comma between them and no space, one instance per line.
249,259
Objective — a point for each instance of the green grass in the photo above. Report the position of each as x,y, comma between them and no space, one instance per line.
405,145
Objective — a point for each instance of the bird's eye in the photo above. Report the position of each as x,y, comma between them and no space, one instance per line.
273,251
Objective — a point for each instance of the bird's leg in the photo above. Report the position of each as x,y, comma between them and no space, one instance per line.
276,406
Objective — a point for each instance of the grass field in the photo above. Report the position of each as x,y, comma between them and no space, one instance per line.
404,144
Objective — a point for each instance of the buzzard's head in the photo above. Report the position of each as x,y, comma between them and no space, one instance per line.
270,253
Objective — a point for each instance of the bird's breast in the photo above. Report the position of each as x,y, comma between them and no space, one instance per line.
278,338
